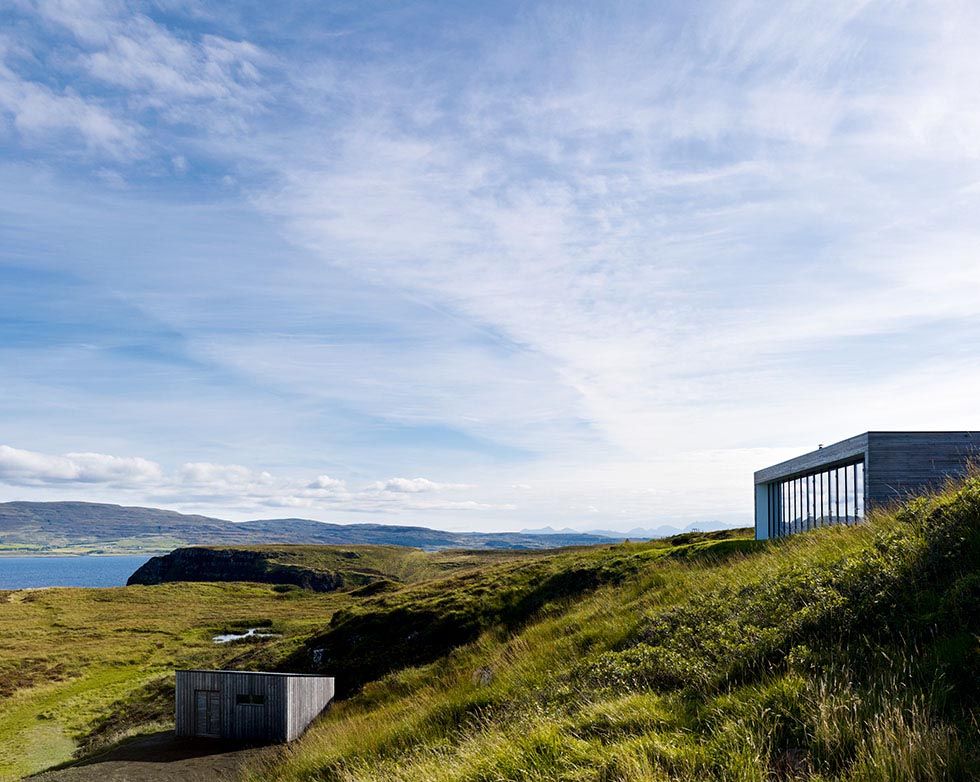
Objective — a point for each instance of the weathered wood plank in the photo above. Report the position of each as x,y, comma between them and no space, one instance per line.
903,464
248,706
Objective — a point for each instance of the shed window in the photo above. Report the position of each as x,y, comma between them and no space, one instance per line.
250,700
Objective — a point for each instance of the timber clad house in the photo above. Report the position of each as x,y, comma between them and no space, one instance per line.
840,483
249,706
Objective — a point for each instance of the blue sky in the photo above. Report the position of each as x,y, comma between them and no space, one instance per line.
478,266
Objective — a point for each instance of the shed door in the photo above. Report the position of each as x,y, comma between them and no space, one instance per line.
207,713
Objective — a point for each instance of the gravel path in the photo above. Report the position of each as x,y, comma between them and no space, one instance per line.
159,757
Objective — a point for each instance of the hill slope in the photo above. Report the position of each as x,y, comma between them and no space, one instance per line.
370,569
80,668
71,527
845,655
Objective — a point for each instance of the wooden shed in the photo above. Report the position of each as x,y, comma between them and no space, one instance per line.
249,705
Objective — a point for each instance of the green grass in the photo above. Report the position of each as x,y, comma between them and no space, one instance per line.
80,668
400,564
424,621
67,655
848,654
844,655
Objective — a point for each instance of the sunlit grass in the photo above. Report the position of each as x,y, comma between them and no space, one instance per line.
848,654
67,655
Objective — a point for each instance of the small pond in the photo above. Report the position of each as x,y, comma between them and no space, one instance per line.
252,632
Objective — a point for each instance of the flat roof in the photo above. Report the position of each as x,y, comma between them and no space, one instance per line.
254,673
837,453
840,453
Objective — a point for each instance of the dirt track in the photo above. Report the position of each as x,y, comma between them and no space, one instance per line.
159,757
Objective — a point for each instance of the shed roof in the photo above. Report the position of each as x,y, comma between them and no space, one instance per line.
254,673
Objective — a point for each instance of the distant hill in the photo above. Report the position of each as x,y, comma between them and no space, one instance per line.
86,527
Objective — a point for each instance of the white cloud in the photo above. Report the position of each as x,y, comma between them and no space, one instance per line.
560,211
662,242
202,80
226,488
327,483
221,474
87,19
415,486
38,112
21,467
144,57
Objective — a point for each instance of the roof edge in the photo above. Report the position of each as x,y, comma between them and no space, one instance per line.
254,673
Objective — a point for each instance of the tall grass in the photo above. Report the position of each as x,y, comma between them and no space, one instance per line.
83,667
847,654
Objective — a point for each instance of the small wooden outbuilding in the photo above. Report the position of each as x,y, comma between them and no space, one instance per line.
249,705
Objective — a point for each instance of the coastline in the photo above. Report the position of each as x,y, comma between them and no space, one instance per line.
81,554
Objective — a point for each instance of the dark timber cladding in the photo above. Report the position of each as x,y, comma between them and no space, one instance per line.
840,483
247,705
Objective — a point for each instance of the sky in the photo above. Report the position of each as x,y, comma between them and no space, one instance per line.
478,266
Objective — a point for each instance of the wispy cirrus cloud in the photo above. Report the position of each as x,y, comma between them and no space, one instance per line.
148,74
42,114
602,253
566,213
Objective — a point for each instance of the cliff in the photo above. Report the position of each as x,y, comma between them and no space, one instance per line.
210,564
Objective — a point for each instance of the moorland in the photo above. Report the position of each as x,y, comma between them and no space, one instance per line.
82,668
846,654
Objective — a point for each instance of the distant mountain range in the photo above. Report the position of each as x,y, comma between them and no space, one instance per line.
637,533
86,527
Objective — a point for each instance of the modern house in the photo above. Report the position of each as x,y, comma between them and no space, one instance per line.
249,706
839,483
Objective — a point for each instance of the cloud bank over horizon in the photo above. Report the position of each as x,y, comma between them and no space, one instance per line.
577,266
232,486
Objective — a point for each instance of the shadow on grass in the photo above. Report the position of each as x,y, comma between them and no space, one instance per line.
159,747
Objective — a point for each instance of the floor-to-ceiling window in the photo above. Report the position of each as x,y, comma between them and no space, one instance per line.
818,499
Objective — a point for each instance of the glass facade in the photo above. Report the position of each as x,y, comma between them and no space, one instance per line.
819,499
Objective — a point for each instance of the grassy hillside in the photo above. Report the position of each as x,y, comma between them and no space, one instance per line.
67,655
83,667
425,621
843,654
323,568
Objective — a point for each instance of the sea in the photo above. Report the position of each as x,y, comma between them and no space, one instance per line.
81,571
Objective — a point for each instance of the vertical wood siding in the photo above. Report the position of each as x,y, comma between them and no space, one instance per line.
308,696
289,703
